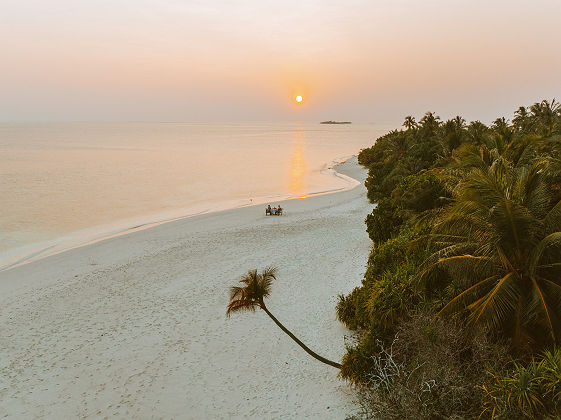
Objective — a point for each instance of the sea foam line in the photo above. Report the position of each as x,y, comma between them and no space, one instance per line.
91,235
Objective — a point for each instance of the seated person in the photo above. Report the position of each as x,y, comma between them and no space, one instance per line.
279,210
268,210
274,210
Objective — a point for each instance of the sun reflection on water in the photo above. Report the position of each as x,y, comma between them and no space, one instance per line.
298,166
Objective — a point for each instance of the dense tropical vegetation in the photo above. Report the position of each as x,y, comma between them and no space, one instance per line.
459,312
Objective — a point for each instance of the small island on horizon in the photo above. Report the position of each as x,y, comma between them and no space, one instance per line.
336,122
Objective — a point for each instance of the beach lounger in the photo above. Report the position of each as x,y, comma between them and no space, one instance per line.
273,212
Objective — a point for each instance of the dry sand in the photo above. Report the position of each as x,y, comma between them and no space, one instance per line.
135,326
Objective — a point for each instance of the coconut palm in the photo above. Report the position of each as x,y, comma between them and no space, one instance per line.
500,124
429,124
410,122
519,153
522,120
500,241
256,287
477,132
452,135
397,146
545,114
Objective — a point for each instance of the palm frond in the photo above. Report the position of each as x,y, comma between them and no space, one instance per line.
268,275
498,303
465,294
500,226
256,287
553,239
552,220
458,262
544,306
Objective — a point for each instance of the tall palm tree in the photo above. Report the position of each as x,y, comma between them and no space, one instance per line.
256,287
459,122
429,124
500,124
410,122
477,132
522,120
452,135
545,113
519,152
500,241
397,146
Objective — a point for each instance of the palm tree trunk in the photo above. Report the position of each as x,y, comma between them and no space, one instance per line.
309,351
518,327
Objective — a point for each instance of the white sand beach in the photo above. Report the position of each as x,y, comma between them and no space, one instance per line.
134,326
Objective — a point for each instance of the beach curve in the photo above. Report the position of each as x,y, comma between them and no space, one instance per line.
87,236
134,325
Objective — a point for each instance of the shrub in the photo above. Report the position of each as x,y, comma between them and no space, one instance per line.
350,309
418,193
531,391
431,370
387,256
384,222
393,295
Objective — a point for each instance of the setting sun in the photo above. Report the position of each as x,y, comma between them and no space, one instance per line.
298,99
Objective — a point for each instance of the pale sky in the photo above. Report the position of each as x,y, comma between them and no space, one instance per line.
189,60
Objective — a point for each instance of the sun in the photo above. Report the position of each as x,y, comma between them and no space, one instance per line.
298,98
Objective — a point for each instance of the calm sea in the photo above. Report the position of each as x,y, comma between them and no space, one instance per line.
62,185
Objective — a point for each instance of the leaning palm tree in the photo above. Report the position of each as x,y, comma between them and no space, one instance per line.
256,287
500,242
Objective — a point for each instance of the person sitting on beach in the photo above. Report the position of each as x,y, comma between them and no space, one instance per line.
279,210
274,210
268,210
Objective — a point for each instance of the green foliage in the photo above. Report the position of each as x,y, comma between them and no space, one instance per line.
384,296
527,391
384,221
350,309
393,295
418,193
474,212
500,240
477,133
387,256
357,362
411,196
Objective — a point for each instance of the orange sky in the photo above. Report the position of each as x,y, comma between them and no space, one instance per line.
370,61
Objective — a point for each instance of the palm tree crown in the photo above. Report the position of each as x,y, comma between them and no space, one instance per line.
257,288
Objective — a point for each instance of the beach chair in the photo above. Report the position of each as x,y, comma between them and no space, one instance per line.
273,211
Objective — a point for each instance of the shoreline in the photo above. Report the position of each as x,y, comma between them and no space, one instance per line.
135,326
36,251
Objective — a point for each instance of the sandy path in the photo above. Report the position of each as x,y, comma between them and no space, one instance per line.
134,326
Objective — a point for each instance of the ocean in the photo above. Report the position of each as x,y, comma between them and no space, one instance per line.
64,185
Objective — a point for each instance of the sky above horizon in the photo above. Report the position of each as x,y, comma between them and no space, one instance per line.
369,61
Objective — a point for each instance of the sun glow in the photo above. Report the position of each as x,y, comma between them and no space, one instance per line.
298,99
